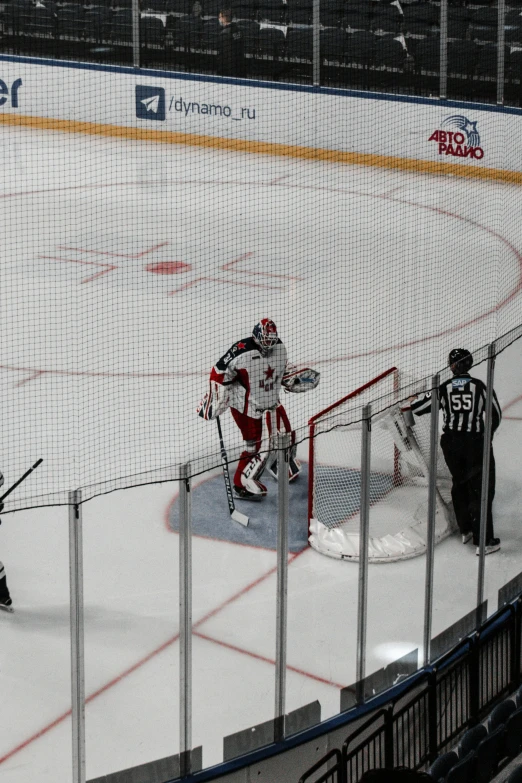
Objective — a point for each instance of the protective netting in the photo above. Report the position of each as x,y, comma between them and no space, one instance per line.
128,268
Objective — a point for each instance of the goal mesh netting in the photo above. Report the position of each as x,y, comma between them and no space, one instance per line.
398,481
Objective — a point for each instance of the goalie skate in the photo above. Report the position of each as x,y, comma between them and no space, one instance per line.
242,493
7,605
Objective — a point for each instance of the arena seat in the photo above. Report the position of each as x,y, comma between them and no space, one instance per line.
152,31
361,48
487,756
299,44
512,741
390,52
71,21
333,44
463,771
499,715
442,765
471,739
515,776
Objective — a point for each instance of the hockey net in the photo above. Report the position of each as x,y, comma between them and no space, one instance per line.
398,482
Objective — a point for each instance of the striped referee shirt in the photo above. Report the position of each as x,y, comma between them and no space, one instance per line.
462,400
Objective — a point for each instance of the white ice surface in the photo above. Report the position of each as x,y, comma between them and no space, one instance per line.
132,362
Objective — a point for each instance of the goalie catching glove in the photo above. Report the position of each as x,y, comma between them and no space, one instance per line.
214,403
300,380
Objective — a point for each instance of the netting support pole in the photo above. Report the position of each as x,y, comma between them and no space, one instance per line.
501,52
432,514
443,78
185,620
77,637
316,43
486,463
283,454
136,33
364,539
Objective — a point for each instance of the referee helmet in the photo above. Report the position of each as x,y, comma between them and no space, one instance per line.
460,360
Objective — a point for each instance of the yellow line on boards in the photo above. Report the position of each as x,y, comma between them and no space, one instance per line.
263,148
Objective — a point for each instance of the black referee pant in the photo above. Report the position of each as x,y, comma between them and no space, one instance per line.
463,452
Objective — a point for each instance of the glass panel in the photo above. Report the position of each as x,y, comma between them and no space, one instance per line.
96,33
370,46
234,584
322,591
503,566
513,64
35,677
131,629
398,514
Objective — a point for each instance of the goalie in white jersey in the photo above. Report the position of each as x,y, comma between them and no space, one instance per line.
248,380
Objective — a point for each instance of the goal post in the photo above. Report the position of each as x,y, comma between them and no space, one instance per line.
398,480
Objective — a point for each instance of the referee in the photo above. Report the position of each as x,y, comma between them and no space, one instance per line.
463,401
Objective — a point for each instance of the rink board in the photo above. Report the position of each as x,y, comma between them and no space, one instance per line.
339,126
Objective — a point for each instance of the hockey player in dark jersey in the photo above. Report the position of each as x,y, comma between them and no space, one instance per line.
248,380
5,599
462,400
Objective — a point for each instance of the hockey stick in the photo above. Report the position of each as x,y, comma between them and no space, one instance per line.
14,486
236,515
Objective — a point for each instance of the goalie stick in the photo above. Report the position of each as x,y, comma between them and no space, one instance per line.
236,515
14,486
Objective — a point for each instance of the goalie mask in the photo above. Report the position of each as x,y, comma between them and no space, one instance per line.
265,336
460,360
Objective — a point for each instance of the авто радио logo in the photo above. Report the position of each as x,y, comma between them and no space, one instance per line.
463,142
150,102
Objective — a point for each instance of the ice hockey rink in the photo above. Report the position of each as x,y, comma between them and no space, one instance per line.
127,270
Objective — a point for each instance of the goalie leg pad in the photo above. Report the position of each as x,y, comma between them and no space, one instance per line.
249,470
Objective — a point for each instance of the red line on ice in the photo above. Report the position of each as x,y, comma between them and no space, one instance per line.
263,658
114,255
142,661
109,267
223,282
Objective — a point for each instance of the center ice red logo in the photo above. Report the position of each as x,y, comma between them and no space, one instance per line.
463,142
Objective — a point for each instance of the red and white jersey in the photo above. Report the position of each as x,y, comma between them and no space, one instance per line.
254,380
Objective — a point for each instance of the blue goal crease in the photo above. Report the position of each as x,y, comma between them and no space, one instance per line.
211,518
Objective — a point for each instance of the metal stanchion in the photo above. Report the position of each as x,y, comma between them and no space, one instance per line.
364,538
77,636
485,471
185,620
432,514
443,79
136,33
283,453
316,43
501,52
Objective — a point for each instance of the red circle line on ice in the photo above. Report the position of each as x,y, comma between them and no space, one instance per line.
36,372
